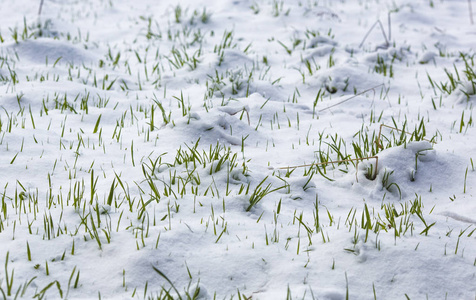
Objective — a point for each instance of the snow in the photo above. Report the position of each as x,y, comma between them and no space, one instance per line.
194,148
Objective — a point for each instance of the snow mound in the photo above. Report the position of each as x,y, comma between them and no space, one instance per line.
39,50
405,170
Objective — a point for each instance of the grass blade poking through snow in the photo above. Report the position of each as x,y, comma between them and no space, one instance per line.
96,127
372,175
168,280
259,193
111,192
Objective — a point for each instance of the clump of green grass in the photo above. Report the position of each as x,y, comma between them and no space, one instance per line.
260,192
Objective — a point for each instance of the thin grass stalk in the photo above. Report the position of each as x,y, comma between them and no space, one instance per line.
352,97
41,6
336,162
470,8
168,280
379,146
387,41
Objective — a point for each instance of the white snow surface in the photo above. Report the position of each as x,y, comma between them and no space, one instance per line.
155,149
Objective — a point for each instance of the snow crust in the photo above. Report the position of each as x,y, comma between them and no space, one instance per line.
234,149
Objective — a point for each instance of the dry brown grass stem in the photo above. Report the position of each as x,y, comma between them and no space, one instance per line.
352,97
244,110
378,22
379,146
337,162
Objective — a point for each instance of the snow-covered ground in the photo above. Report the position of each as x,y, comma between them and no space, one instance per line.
219,149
